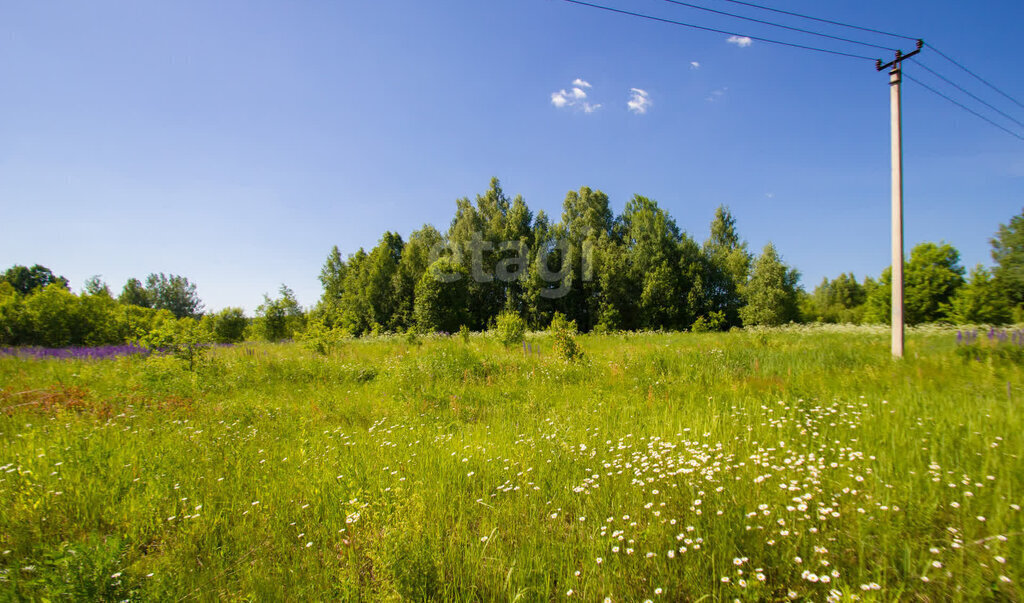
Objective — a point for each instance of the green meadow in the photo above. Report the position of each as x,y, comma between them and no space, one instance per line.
801,463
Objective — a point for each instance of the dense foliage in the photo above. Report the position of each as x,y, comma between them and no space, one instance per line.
634,271
602,272
38,309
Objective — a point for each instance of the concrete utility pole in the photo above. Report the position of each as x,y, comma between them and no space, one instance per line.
896,127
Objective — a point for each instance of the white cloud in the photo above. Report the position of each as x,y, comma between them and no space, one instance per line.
694,65
716,94
639,101
575,97
741,41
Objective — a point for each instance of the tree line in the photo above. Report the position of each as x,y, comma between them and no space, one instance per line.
635,270
605,272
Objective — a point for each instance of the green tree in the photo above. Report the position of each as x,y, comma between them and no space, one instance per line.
442,296
182,338
1008,254
563,335
13,322
617,302
653,247
174,293
475,238
135,294
332,275
771,294
280,318
587,221
94,285
980,301
509,329
352,311
134,322
26,280
932,276
727,267
97,318
53,318
228,325
838,301
416,257
378,283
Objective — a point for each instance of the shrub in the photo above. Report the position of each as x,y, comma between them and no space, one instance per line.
714,321
509,329
183,338
564,333
229,325
320,338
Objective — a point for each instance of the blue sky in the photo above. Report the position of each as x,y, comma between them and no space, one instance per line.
236,142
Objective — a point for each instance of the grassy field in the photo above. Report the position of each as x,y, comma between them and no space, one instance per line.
800,463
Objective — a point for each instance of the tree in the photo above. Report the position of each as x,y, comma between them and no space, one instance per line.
378,284
442,296
332,276
416,257
228,325
13,325
475,238
94,285
97,317
932,276
1008,254
509,329
728,266
617,303
174,293
278,319
26,280
134,294
587,220
981,301
652,241
52,317
351,312
771,294
838,301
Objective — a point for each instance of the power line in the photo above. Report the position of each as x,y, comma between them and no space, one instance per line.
802,16
720,31
965,108
806,31
961,89
978,77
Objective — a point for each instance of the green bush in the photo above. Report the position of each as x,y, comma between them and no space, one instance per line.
229,325
509,329
183,339
320,338
564,333
713,321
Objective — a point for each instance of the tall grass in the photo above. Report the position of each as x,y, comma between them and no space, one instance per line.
800,463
